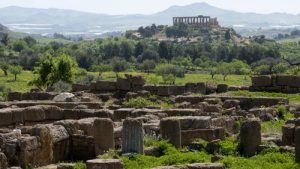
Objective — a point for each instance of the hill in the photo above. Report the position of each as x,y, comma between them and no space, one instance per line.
72,22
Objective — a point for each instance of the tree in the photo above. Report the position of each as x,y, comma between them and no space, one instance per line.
101,68
43,72
148,55
30,41
227,35
53,69
19,45
64,69
15,70
5,39
225,69
4,67
169,71
148,65
118,65
279,68
213,71
163,50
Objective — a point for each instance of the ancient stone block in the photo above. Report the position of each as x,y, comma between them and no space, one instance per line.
250,137
80,87
12,96
106,86
231,103
206,166
288,80
222,88
122,113
288,134
195,88
188,136
103,135
3,161
297,144
170,130
132,136
6,117
104,164
198,122
170,90
34,114
183,112
123,84
61,143
83,147
213,108
261,81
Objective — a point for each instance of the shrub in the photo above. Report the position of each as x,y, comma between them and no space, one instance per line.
62,86
139,102
228,146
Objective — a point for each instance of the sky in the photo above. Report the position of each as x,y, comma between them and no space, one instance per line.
153,6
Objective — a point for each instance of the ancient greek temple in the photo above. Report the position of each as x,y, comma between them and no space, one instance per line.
198,21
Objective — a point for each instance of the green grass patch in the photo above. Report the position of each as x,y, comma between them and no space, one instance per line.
271,160
21,85
293,98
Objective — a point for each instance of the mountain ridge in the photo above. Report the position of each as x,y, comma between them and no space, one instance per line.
68,20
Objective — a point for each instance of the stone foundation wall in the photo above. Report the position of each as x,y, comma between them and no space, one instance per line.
276,83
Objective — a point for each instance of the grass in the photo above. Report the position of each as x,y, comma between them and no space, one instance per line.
237,80
293,98
172,156
21,85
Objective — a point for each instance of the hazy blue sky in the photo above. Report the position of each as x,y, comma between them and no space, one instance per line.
152,6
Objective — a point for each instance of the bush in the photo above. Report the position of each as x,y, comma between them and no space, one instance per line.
139,102
62,86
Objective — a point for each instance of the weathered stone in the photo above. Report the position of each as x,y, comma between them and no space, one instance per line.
153,151
189,136
62,97
104,164
66,166
80,87
170,90
288,80
231,103
195,88
103,135
206,166
288,134
261,81
6,117
297,144
61,143
183,112
213,108
122,113
213,100
83,147
194,122
34,114
132,136
222,88
250,137
3,161
170,130
105,86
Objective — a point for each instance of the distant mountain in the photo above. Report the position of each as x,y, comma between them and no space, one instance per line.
75,22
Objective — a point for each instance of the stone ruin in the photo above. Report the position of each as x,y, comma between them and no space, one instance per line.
276,83
36,130
197,21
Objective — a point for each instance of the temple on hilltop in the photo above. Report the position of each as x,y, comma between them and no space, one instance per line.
197,21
